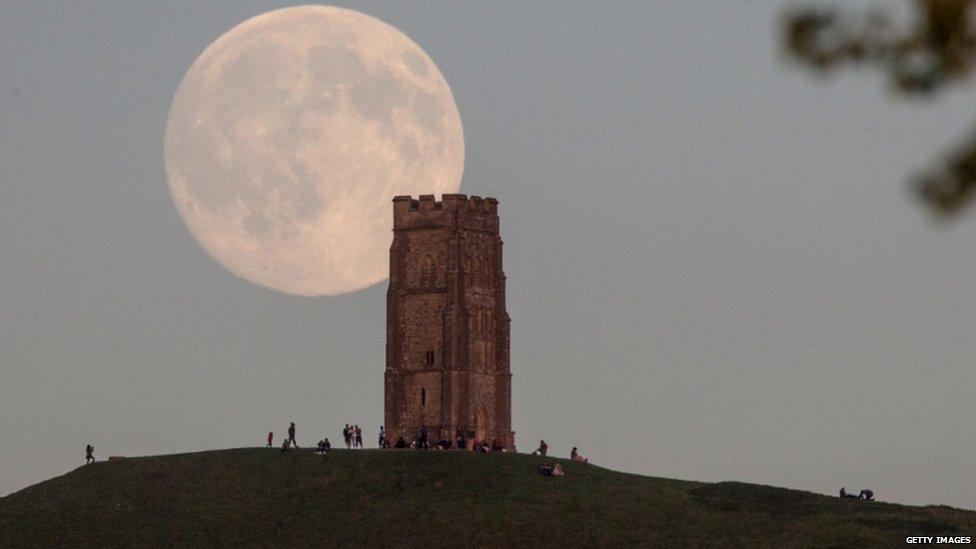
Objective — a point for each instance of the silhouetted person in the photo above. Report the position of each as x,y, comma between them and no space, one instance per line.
546,469
844,494
381,437
89,454
270,438
401,443
347,436
359,437
866,495
576,456
543,448
291,435
324,446
284,445
496,446
422,443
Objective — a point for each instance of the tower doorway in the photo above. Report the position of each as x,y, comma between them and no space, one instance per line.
480,424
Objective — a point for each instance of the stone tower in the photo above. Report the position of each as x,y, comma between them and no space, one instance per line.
447,329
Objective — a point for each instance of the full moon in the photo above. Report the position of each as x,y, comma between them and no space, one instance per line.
289,137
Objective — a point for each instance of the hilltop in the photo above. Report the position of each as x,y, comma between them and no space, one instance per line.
257,496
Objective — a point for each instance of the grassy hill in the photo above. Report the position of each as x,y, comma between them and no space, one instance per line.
399,497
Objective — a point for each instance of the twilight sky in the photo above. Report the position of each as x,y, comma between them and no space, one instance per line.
715,270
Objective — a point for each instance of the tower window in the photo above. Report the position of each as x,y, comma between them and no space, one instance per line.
430,358
428,274
423,397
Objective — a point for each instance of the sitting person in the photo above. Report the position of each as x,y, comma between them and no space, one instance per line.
384,442
401,443
867,495
496,446
576,456
844,494
284,445
546,469
323,446
557,470
461,443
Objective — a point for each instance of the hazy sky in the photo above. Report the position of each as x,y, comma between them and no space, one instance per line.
715,271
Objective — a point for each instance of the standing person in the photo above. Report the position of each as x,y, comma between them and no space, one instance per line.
270,438
359,437
89,454
379,440
423,438
543,448
291,435
347,436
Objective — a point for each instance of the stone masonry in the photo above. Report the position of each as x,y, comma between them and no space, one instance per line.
447,329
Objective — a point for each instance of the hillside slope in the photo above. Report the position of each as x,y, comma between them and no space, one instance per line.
400,497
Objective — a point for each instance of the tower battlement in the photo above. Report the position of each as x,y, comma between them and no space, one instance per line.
424,211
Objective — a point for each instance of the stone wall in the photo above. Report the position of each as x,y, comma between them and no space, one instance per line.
447,325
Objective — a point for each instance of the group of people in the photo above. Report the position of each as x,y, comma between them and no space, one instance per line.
353,436
555,470
323,446
289,442
866,495
574,455
423,441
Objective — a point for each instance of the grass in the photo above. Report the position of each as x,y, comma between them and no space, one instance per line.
261,497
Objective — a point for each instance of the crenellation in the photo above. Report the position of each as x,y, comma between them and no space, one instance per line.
426,202
425,211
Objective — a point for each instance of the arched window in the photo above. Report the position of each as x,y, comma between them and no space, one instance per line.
423,397
430,358
428,275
